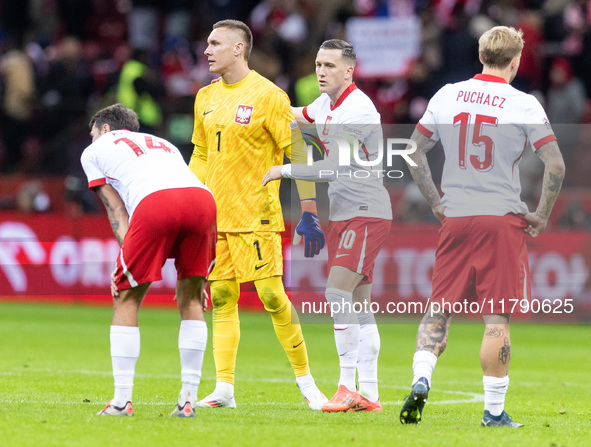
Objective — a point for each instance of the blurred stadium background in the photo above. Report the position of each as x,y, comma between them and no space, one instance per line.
61,60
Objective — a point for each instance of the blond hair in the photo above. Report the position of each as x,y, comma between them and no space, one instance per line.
499,45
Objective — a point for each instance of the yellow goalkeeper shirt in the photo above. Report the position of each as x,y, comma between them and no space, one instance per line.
241,130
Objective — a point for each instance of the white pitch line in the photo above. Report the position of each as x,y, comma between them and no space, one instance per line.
474,399
470,397
62,372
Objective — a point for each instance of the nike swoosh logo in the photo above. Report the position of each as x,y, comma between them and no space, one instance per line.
341,255
205,113
295,346
256,267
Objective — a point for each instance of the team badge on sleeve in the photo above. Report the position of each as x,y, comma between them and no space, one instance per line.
243,114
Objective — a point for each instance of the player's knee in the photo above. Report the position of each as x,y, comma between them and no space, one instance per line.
272,294
223,296
273,301
133,296
366,318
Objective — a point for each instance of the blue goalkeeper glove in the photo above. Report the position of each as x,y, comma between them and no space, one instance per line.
309,228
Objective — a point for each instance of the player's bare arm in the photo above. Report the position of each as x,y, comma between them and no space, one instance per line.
554,170
421,173
299,115
300,118
272,174
118,217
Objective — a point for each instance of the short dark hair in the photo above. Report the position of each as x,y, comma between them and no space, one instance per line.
240,26
347,50
117,116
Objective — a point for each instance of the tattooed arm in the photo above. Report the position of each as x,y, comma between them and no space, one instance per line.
554,169
422,173
118,217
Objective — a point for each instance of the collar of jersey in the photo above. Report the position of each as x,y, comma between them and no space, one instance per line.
239,83
489,78
343,96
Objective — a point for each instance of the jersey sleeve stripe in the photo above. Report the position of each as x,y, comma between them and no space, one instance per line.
424,130
305,113
97,182
538,144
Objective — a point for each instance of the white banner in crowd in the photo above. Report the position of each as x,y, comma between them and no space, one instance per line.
385,46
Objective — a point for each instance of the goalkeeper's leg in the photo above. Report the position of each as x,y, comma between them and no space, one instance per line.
226,327
289,333
226,336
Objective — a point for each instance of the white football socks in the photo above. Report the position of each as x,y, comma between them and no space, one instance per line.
495,389
367,361
423,364
192,343
125,350
307,386
346,334
225,389
306,381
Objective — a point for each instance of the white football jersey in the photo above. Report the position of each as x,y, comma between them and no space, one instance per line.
136,165
354,190
484,125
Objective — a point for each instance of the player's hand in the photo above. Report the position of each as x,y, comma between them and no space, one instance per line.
114,291
439,212
204,299
535,224
309,228
272,174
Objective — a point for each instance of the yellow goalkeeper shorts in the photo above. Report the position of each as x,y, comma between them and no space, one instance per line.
248,256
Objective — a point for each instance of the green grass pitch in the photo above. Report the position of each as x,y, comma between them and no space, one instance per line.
55,374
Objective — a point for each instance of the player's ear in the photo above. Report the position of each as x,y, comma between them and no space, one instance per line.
515,62
105,128
349,72
238,49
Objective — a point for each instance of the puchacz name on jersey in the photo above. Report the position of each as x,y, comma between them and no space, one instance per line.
480,98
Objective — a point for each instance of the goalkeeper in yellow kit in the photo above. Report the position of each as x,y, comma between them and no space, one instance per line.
243,126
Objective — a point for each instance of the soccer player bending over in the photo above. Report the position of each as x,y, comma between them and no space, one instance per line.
157,210
243,126
360,218
484,125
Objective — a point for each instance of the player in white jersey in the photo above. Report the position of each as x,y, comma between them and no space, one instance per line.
484,125
158,209
360,216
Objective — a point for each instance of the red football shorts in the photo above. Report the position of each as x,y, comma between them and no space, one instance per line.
356,243
482,259
172,223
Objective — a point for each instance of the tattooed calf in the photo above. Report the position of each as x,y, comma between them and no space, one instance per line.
432,334
505,352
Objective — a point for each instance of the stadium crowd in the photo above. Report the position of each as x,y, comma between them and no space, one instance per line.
61,60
